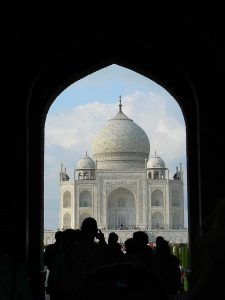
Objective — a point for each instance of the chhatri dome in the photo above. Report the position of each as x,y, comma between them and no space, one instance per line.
86,163
155,162
121,144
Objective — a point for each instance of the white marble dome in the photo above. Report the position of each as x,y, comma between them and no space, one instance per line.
86,163
121,144
155,162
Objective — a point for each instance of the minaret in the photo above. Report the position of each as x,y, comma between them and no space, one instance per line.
61,173
181,173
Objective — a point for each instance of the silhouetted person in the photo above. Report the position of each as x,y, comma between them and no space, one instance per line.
69,242
129,250
167,267
88,254
113,253
113,240
70,237
51,259
143,252
159,239
58,259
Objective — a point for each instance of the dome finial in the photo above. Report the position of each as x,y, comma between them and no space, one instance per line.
155,153
120,105
86,153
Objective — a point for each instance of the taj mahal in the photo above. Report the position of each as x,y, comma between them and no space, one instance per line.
124,187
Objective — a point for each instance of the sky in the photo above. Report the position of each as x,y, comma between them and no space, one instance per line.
82,109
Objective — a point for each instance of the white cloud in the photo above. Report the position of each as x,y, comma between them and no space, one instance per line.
165,132
77,128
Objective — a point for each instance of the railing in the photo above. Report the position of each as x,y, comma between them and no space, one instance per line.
132,227
140,227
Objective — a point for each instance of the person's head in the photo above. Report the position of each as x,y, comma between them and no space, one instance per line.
113,238
140,239
58,236
163,247
159,239
69,237
129,245
89,228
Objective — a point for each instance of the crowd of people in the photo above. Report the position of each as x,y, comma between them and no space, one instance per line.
82,265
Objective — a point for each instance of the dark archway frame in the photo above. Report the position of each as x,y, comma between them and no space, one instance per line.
73,64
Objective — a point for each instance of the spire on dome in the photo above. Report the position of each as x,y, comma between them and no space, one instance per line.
120,115
120,105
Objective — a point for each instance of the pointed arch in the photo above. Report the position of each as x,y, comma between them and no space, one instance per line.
156,175
67,199
66,221
121,208
157,198
157,220
85,199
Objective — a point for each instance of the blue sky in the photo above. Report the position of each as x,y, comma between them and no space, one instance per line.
82,109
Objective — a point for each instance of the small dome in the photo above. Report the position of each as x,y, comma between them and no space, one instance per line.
155,162
86,163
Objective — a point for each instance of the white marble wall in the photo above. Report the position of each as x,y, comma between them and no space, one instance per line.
138,187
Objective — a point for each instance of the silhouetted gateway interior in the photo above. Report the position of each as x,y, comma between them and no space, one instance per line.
182,50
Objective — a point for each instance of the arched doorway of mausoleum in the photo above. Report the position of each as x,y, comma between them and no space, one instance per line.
121,209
